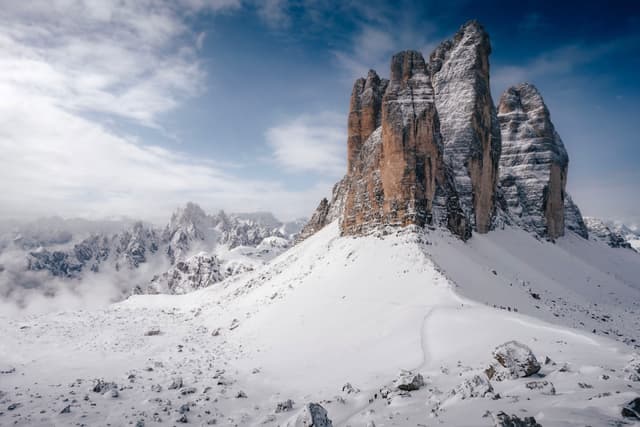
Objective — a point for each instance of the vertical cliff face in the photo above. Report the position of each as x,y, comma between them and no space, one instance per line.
398,177
411,143
427,147
364,113
534,162
468,121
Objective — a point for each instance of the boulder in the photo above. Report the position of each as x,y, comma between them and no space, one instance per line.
502,419
632,409
515,360
476,386
312,415
408,381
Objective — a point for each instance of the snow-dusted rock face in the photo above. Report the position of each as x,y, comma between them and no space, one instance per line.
533,164
399,177
573,220
468,123
603,232
312,415
128,249
196,272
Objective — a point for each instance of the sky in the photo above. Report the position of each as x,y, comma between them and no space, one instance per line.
134,107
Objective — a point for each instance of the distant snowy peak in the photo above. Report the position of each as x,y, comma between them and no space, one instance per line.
614,235
190,231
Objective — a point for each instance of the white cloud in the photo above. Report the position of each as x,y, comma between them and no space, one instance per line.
274,12
559,62
313,143
129,59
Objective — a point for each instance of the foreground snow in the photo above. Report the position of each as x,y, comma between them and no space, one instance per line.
336,310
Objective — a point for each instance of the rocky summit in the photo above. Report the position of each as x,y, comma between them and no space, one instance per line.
428,147
533,164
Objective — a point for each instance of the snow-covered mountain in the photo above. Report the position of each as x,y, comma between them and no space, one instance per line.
348,323
447,282
36,258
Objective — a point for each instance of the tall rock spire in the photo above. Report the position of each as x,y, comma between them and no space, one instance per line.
468,123
398,176
534,164
364,113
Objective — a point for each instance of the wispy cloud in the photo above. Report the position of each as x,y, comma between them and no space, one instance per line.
558,62
133,60
310,143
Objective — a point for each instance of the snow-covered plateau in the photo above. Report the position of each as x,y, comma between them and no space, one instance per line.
404,327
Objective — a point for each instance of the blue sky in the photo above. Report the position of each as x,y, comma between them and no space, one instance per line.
134,107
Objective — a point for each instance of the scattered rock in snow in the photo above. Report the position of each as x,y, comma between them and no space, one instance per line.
241,395
215,332
183,419
284,406
187,390
408,381
632,409
349,388
633,369
312,415
152,332
156,387
545,387
101,386
234,324
7,370
476,386
515,360
176,383
503,420
66,409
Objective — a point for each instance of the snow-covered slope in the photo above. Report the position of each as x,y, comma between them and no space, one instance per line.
336,310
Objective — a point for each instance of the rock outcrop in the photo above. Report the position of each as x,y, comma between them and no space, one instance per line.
398,177
365,112
468,123
428,148
602,232
533,164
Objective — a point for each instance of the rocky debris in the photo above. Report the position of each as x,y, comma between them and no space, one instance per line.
632,370
176,383
102,387
350,389
533,164
545,387
66,410
632,409
473,387
515,360
600,231
284,406
408,381
468,123
312,415
504,420
241,395
152,332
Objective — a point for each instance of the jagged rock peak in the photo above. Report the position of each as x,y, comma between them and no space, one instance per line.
364,113
459,71
398,176
534,163
406,64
